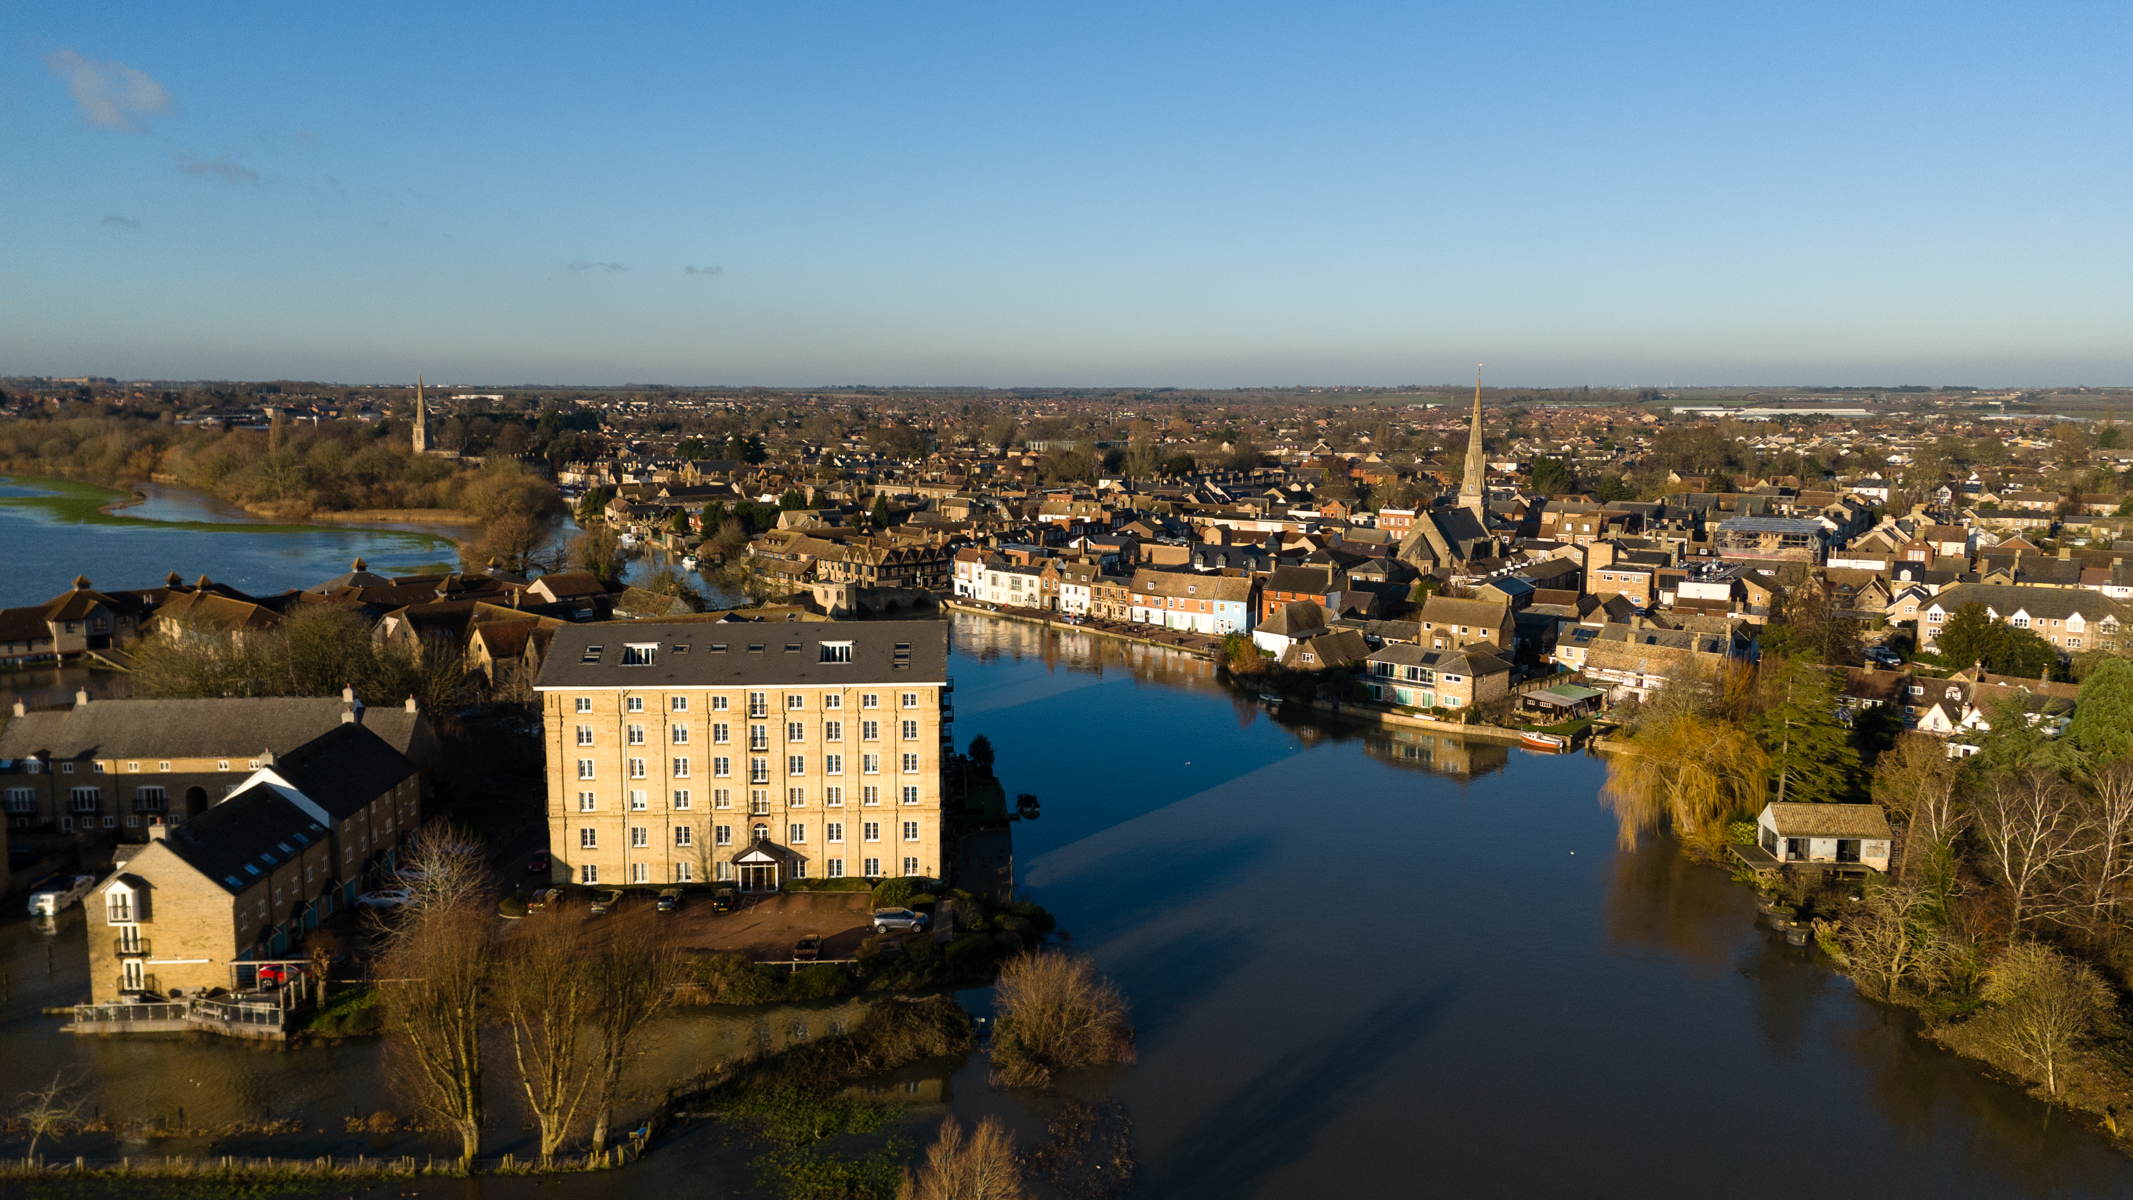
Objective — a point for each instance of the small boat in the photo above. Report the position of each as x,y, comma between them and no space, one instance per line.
629,539
688,561
1550,742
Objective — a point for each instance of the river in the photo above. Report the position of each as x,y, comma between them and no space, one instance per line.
1360,964
53,530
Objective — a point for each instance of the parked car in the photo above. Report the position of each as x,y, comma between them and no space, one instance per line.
899,920
807,949
604,899
725,899
669,899
52,896
1885,656
538,864
384,898
542,898
271,973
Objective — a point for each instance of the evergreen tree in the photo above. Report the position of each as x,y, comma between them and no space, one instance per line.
2103,715
880,513
1811,754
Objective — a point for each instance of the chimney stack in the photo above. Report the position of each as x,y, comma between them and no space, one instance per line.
21,709
411,705
157,830
81,697
348,695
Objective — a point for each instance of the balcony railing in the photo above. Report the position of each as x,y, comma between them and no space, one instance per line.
129,947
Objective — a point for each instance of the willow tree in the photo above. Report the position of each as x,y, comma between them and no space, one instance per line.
1689,771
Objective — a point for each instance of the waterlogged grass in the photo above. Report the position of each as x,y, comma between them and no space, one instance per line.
801,1123
72,502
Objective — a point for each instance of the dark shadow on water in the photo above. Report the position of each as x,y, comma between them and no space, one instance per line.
1271,1120
1151,878
1658,898
1179,970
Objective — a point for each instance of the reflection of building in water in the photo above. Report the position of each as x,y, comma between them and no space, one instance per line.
1442,753
1065,647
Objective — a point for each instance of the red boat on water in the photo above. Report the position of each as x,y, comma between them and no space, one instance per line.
1549,742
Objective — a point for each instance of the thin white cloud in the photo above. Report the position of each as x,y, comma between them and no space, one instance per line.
694,270
585,264
215,168
111,94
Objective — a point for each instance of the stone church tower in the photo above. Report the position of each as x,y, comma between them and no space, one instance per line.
422,420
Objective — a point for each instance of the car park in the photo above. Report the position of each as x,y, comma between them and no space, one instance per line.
669,899
725,899
385,898
807,949
899,920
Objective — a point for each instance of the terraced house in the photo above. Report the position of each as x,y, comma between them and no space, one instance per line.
242,881
112,768
690,752
2072,619
1215,604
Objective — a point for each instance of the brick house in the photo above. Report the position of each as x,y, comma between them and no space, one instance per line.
112,768
296,842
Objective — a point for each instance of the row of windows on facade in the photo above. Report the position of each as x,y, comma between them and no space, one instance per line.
758,768
91,799
640,799
645,654
758,702
758,735
683,872
722,835
32,766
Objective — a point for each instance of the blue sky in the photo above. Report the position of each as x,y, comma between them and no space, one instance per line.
1012,194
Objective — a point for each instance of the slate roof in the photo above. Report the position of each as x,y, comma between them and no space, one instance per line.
711,655
217,728
344,770
238,842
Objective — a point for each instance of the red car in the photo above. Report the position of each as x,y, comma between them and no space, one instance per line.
538,864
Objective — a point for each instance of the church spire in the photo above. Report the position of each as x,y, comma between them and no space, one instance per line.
422,420
1473,488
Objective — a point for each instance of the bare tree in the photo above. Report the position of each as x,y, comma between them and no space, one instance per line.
2032,833
981,1166
432,978
2044,1007
49,1111
1056,1013
1917,781
634,973
2108,865
546,996
443,869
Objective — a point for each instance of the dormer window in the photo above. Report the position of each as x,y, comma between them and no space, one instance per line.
639,654
836,652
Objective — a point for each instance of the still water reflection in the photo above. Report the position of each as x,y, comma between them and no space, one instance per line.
1357,968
